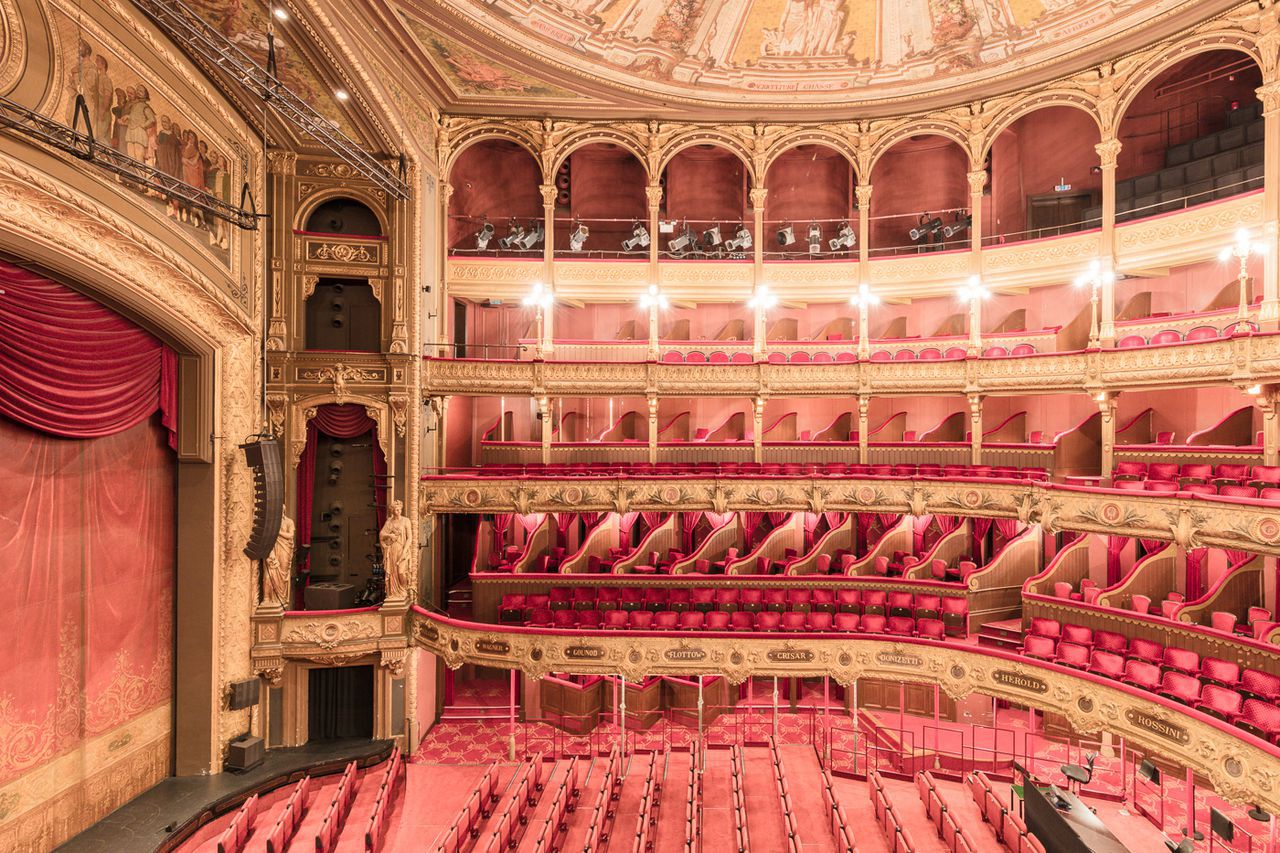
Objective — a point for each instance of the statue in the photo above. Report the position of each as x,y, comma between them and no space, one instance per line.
395,538
277,569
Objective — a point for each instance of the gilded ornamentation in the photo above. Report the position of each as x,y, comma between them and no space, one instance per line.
328,635
338,376
346,253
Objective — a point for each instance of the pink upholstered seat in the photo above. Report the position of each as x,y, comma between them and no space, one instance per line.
717,620
1106,664
932,629
1181,660
1222,621
1166,336
873,624
1042,627
846,622
1037,646
1142,675
1139,603
1130,341
1260,718
1202,333
1224,672
1023,349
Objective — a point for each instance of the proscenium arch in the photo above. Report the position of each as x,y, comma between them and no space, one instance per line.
1237,41
703,136
601,135
486,132
355,193
811,136
1041,101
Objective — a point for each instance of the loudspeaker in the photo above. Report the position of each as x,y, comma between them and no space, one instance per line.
1148,770
330,596
245,752
263,456
244,694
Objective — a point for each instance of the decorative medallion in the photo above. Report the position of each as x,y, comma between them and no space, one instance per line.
1267,530
1233,767
972,498
957,671
1110,513
865,495
1084,703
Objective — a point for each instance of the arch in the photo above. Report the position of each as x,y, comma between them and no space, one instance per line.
490,130
591,135
1237,41
812,136
355,193
906,130
1041,101
707,136
303,410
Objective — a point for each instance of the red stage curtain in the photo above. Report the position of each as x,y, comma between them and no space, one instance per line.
626,523
1115,544
751,522
1235,558
73,368
1007,527
87,545
564,520
980,528
501,524
835,519
919,526
688,522
1153,545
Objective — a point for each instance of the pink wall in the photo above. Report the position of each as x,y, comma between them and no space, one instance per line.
605,183
1182,412
808,183
923,173
1020,167
705,184
424,711
492,178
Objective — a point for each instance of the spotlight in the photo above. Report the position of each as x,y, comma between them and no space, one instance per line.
639,239
926,227
341,94
786,236
711,237
578,237
686,242
961,225
845,238
741,240
1258,814
515,234
484,235
531,237
815,238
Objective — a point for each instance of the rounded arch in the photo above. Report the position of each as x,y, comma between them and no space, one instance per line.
1041,101
906,130
707,136
304,409
482,132
595,135
356,194
811,136
1237,41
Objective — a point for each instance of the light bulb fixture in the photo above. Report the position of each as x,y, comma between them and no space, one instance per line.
654,298
786,235
864,298
1254,390
639,238
578,237
973,290
1241,250
341,95
762,299
280,14
539,297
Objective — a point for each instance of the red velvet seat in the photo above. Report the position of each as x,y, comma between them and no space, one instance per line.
512,608
1229,490
1072,655
679,599
874,602
655,598
702,599
563,619
1042,627
819,621
640,620
955,352
899,604
823,600
1166,336
775,599
540,617
631,598
873,624
1202,333
1260,685
1078,634
726,598
955,615
903,626
1232,473
1128,469
1180,687
1110,641
1023,349
932,629
928,607
1195,472
768,620
1130,341
561,597
1141,674
741,620
1107,664
1221,702
751,599
846,622
1163,471
799,600
1037,646
667,620
1223,672
1181,660
1147,651
881,566
692,620
717,620
1222,621
589,619
1260,718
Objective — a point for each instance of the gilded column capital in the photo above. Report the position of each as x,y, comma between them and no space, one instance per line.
1108,150
977,181
863,193
282,162
446,192
758,195
653,195
1269,94
549,194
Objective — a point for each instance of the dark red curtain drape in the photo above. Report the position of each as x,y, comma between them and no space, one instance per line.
980,528
1195,572
1115,544
73,368
501,524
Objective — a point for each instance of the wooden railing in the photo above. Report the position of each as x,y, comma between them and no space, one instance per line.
662,539
1154,576
1239,588
713,548
1070,565
995,590
896,538
789,534
596,543
837,538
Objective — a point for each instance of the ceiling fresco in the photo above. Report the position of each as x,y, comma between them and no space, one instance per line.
755,51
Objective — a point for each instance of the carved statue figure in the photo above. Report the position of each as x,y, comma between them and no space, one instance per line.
278,567
395,538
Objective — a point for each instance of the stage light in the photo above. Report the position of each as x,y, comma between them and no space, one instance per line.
639,239
741,240
786,235
845,238
280,14
925,228
483,236
341,95
711,237
578,237
815,238
961,225
531,237
515,233
686,242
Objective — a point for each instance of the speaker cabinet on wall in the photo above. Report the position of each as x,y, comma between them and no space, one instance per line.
244,694
245,752
263,456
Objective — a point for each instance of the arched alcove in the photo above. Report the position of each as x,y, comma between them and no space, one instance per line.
344,216
495,197
919,185
705,188
810,203
600,187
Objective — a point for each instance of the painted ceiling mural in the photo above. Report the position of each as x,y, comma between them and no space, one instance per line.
792,46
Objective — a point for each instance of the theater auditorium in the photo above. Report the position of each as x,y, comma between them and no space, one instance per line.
640,426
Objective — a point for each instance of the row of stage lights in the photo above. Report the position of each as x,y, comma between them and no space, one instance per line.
687,240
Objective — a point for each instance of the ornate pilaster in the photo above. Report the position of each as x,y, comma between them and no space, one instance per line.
653,197
757,429
1107,404
549,194
758,196
653,427
977,183
442,241
1269,310
281,180
544,414
1108,150
975,429
863,194
864,405
1267,405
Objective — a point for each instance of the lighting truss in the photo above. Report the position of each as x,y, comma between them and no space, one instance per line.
187,28
33,125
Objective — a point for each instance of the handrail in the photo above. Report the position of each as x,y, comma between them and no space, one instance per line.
948,548
787,534
596,543
661,538
715,546
1233,583
1070,565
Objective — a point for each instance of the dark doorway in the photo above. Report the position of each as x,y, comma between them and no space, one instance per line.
340,703
343,315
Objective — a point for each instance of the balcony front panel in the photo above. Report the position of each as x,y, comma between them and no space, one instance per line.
1186,236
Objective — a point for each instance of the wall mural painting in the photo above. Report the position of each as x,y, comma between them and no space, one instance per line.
129,114
785,45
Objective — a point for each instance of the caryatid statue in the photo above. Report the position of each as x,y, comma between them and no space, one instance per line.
277,569
396,538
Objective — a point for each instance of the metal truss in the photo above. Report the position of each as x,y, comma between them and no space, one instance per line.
81,144
191,31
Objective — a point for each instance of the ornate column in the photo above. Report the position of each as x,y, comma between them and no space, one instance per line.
1108,150
1267,404
758,195
441,335
863,192
975,429
864,404
757,430
1269,311
653,427
653,194
975,326
544,411
549,194
1107,404
282,166
977,182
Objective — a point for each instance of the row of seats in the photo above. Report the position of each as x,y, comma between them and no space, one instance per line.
553,827
602,810
1173,336
767,621
290,817
477,809
392,777
517,607
233,838
784,798
756,469
738,774
844,356
650,803
521,795
1010,829
1270,493
1259,622
1243,697
951,833
841,827
895,833
335,814
1199,473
